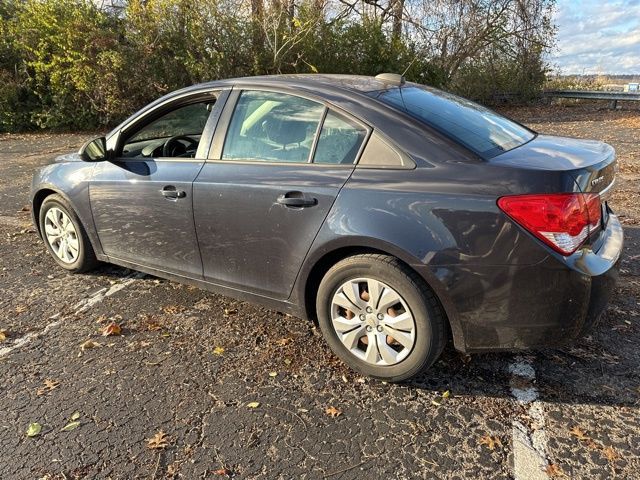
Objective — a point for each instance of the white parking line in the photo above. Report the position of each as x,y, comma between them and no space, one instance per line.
529,441
81,306
97,297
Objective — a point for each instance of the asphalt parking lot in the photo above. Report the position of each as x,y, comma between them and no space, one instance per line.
244,392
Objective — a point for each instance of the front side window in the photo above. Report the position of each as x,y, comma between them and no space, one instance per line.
479,129
340,140
272,127
175,134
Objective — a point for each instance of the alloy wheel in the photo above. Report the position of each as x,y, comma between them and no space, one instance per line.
61,235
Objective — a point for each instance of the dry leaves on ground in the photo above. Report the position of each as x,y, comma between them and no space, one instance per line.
21,308
253,404
580,434
111,330
223,472
34,429
332,411
48,386
218,350
3,335
159,441
70,426
491,442
173,309
553,470
610,454
87,345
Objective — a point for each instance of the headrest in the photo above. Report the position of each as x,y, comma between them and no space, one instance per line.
285,131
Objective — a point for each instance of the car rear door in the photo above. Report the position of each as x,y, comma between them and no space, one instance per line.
260,199
141,200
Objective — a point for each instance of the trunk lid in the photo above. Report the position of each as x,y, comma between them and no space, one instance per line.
592,164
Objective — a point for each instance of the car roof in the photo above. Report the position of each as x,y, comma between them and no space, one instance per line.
315,81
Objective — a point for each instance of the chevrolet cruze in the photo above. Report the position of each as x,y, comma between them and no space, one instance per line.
397,216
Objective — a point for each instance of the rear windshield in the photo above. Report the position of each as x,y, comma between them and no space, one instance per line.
474,126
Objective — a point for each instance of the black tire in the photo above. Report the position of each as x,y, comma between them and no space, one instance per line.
86,259
430,323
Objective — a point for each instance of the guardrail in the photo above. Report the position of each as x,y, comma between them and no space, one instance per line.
613,97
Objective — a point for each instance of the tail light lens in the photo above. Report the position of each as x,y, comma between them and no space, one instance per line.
561,220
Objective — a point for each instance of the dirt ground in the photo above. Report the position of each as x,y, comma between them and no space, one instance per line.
192,365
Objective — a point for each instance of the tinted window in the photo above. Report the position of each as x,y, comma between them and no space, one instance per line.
339,141
378,153
474,126
272,127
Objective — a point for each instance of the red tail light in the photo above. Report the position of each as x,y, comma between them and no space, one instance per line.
561,220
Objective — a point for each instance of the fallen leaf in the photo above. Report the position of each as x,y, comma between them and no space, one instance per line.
89,344
111,329
34,429
579,433
21,308
223,471
610,454
48,386
490,442
75,416
3,335
218,350
253,404
159,441
287,361
554,471
273,374
70,426
435,403
332,411
173,309
153,326
446,394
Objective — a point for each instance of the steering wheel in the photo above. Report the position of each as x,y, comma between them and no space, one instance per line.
171,146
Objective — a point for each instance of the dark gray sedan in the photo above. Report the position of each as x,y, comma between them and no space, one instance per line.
395,215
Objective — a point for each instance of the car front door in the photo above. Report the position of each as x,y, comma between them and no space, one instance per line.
274,170
142,200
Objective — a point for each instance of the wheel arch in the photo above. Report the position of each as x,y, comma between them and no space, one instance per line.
36,204
46,191
321,263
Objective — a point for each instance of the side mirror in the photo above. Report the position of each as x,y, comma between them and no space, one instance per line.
94,150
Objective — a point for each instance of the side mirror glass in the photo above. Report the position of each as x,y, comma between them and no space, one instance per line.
94,150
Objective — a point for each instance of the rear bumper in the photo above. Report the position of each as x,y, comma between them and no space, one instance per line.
541,305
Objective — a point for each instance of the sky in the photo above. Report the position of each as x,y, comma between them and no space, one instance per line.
597,37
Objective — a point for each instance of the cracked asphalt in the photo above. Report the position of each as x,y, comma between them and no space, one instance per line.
189,362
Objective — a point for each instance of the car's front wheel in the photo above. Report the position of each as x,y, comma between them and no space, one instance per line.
379,317
64,235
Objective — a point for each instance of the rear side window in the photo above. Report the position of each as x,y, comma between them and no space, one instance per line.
272,127
479,129
380,154
340,140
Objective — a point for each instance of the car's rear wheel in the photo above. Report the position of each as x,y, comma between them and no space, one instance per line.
65,236
380,317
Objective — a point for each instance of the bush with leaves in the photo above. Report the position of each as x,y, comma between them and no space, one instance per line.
70,64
